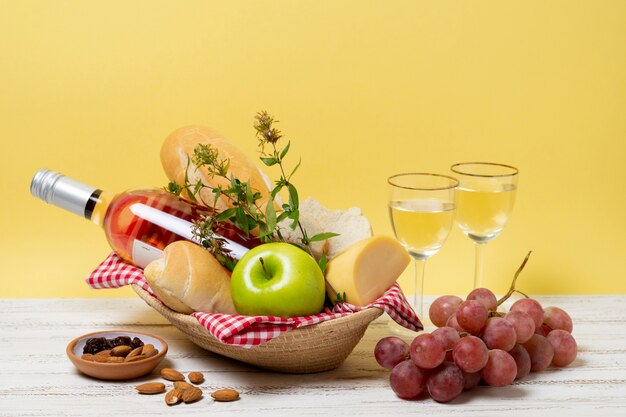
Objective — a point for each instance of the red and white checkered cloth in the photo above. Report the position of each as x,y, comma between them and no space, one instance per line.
250,331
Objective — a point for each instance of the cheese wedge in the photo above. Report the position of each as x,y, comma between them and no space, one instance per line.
365,270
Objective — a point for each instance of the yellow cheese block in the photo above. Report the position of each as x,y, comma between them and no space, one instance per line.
366,270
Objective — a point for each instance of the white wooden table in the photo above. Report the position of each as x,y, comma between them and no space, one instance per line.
37,379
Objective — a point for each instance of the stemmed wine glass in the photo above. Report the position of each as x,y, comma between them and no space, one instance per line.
485,199
421,207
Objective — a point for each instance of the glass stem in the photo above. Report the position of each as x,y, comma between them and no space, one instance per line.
478,267
418,293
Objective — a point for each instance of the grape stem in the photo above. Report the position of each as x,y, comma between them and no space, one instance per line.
513,290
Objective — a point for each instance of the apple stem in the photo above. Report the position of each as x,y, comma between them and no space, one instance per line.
265,271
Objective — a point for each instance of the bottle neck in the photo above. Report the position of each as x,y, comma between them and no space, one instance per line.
74,196
100,205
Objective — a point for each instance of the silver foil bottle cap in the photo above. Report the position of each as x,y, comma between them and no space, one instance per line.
55,188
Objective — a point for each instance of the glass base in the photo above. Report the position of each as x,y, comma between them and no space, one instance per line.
400,331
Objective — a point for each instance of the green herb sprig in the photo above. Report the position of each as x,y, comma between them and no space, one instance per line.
246,212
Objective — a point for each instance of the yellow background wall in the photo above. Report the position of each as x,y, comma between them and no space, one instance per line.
364,89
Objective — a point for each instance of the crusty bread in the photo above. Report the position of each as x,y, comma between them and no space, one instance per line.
188,278
351,225
178,148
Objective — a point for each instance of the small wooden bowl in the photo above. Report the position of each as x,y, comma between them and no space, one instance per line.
116,371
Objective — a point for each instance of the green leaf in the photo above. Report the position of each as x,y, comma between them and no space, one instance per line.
284,151
294,170
295,216
174,188
270,215
225,215
241,220
323,262
293,196
341,298
322,236
252,222
234,182
197,187
276,190
269,161
249,195
282,216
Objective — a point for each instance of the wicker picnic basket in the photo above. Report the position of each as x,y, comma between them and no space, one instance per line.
319,347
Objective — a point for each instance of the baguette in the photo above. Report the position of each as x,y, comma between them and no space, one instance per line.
178,147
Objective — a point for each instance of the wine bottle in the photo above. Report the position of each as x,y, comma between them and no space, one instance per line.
138,224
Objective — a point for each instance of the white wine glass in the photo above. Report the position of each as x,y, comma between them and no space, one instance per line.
421,208
485,199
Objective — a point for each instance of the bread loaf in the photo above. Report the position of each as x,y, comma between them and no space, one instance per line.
188,278
178,148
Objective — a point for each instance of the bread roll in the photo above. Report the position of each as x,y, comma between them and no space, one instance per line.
179,146
188,278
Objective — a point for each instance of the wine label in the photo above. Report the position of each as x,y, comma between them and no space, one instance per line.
143,253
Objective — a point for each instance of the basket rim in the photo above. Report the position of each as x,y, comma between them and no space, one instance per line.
153,302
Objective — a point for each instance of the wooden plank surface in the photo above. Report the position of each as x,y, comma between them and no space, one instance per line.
37,379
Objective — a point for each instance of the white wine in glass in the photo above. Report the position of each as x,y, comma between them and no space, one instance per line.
485,199
421,208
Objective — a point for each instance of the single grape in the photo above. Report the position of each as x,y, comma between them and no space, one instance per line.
452,322
540,351
390,351
472,316
522,360
445,382
447,336
426,351
499,334
485,296
500,370
523,324
556,318
442,308
471,380
543,330
470,354
530,307
565,348
407,380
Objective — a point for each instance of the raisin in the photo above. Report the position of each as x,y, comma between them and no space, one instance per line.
120,341
95,345
136,342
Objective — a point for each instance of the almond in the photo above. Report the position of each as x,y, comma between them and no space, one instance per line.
151,388
149,350
87,357
135,352
115,359
105,353
225,395
192,394
134,358
101,358
172,374
196,377
174,396
121,350
182,385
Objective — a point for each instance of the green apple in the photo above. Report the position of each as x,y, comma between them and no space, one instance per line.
277,279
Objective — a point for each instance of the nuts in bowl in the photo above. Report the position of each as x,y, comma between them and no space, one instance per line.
116,354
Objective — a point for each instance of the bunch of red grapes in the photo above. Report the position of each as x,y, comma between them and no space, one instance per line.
473,343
